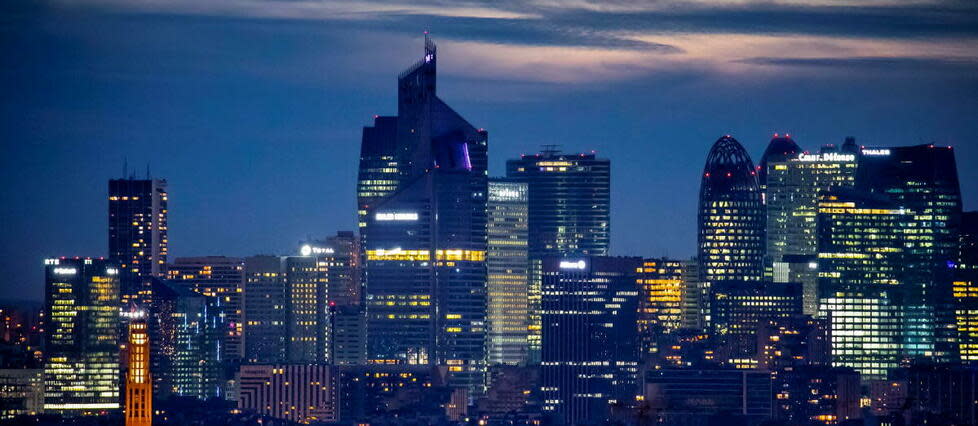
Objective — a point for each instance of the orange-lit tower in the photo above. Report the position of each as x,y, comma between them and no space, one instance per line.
139,387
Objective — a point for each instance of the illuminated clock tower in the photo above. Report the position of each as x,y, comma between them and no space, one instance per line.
139,387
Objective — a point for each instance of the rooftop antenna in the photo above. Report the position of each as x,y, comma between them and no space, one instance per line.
125,167
147,171
550,149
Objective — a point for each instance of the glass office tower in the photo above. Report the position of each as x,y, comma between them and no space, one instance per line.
508,267
924,180
422,192
138,231
81,365
862,283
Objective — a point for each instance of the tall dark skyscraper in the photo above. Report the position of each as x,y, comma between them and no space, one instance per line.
569,213
266,310
81,359
422,194
924,180
138,231
590,351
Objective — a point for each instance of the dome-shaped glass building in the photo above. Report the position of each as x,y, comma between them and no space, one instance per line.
731,216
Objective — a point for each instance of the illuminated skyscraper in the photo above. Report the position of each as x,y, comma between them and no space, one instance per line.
508,268
422,194
660,306
861,257
792,188
81,369
221,277
139,386
307,288
924,180
966,289
590,351
138,230
731,218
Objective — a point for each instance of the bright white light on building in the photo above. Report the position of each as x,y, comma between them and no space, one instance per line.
308,250
812,265
570,264
65,271
396,216
829,156
111,271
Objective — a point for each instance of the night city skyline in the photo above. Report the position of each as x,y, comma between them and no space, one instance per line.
251,110
489,213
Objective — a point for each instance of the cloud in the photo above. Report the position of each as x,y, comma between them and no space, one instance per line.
589,41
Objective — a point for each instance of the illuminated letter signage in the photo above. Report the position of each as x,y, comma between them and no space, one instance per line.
308,250
396,216
65,271
877,152
829,156
570,264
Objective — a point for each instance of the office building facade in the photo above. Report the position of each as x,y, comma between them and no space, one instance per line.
296,392
740,308
423,208
223,278
266,310
660,307
965,288
861,279
81,368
